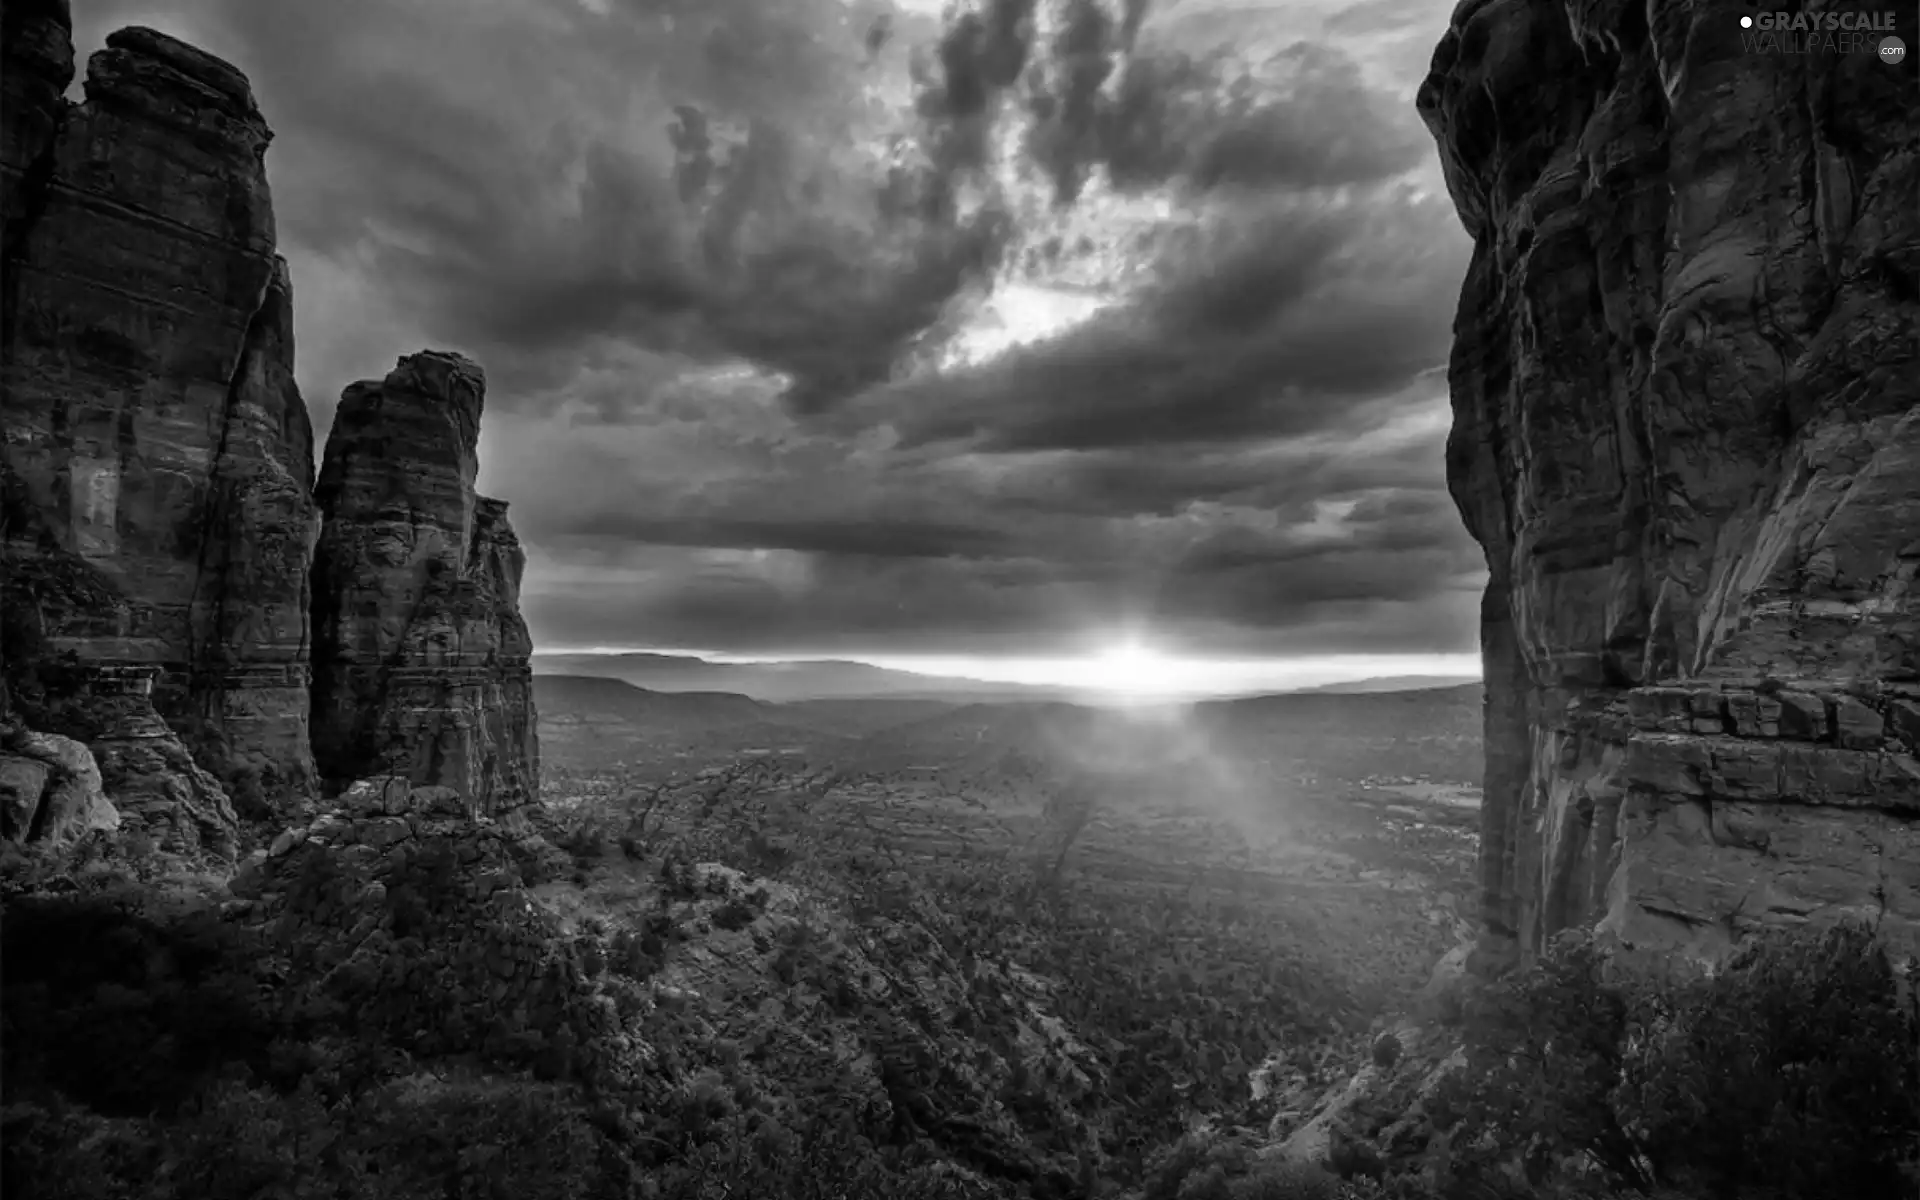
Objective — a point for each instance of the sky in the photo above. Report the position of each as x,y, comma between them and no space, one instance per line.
1014,331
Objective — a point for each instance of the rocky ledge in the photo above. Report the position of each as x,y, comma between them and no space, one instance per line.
1686,388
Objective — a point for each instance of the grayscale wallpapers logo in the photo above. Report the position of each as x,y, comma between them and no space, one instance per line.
1823,33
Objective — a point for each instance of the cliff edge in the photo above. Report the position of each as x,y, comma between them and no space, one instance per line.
1686,393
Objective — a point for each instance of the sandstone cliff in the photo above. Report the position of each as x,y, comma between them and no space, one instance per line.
157,513
1686,387
421,661
155,442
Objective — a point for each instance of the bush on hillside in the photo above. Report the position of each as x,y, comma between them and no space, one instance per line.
161,1056
1229,1166
1794,1071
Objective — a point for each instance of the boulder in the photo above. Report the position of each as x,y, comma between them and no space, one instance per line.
50,790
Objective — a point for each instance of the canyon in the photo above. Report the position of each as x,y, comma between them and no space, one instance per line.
1686,392
1687,435
232,635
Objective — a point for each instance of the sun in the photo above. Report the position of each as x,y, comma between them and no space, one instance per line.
1131,668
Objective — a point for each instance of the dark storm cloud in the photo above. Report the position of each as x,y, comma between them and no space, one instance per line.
1197,121
606,210
848,534
1419,601
1295,322
531,179
928,608
528,180
1301,117
1379,534
1271,540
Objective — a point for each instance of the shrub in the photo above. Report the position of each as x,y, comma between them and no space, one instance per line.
1546,1048
734,915
121,1012
1211,1166
1794,1071
1386,1051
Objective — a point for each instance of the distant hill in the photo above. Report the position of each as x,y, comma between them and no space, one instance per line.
864,715
597,700
1433,732
594,721
588,722
779,682
1390,683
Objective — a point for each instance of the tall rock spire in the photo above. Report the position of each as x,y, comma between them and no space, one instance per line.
421,659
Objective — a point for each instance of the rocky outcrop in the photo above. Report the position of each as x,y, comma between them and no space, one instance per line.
154,440
1686,387
50,789
413,910
421,660
154,782
158,518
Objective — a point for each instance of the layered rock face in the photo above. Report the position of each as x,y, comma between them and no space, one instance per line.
158,519
421,661
1686,387
155,444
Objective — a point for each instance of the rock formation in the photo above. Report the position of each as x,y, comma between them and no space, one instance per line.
1686,389
421,661
155,442
50,789
157,513
416,910
157,786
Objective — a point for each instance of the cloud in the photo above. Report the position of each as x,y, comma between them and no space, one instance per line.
801,541
710,252
1296,318
1301,116
724,178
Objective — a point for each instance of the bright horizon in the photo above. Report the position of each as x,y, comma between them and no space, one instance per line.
1125,669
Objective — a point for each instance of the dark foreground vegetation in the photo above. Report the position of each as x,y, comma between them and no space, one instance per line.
159,1045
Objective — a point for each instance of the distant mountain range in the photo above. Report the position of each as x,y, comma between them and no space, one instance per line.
1434,730
781,682
1389,683
831,679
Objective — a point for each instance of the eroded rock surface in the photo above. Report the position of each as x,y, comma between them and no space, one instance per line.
421,659
154,440
154,782
158,518
50,789
1686,386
